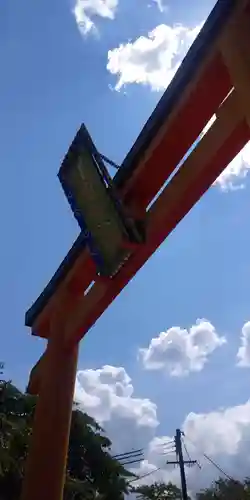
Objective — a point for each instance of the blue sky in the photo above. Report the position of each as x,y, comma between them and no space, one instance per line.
53,77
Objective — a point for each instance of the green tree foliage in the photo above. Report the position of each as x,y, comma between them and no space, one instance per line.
226,489
91,471
222,489
16,411
158,491
90,463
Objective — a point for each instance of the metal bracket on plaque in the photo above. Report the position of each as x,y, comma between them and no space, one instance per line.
108,230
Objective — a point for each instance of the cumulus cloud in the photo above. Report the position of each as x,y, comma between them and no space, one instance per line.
223,435
218,432
243,355
85,12
153,59
179,351
107,395
234,176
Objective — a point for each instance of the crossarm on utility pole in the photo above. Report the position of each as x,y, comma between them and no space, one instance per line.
181,463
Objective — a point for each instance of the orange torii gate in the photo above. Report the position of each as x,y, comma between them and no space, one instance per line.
214,79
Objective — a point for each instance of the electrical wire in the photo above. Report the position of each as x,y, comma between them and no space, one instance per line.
167,443
130,457
218,467
138,478
211,460
183,442
189,458
144,475
132,462
132,452
138,453
168,452
128,454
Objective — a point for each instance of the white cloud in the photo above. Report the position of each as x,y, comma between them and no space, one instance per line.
243,354
232,178
218,432
153,59
107,395
159,450
223,435
179,351
85,12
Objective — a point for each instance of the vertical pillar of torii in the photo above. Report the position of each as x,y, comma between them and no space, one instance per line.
46,465
45,474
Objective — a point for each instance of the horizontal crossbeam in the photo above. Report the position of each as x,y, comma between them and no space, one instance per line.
83,297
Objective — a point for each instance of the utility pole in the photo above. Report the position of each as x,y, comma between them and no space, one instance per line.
181,463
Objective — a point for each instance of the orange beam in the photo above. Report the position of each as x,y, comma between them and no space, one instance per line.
71,312
175,138
235,49
210,85
218,147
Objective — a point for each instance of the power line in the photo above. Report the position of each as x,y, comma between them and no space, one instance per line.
211,460
132,452
218,467
145,475
167,449
138,453
186,450
133,461
183,442
181,463
168,452
167,443
130,457
177,447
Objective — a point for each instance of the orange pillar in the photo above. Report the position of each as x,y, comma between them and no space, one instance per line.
46,463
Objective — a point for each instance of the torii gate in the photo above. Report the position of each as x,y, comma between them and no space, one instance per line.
214,79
